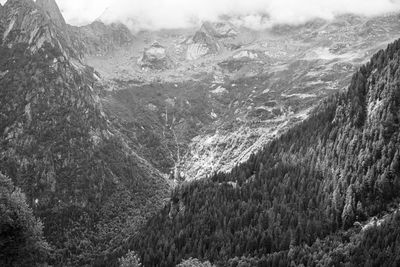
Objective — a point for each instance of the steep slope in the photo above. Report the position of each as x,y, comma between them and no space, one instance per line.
59,147
339,166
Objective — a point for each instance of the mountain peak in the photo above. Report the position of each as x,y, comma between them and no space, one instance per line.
50,7
12,3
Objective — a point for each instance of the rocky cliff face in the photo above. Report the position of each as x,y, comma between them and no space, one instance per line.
206,41
155,57
25,22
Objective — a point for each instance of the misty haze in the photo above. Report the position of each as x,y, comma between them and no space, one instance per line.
230,133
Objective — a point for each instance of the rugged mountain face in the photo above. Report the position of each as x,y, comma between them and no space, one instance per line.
25,22
256,87
306,197
59,146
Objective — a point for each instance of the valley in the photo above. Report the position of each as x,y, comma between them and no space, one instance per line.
212,145
246,88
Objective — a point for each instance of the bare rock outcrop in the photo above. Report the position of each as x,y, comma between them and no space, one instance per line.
208,40
155,57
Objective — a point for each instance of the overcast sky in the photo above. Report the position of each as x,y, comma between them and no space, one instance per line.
156,14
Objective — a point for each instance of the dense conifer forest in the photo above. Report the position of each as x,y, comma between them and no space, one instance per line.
303,199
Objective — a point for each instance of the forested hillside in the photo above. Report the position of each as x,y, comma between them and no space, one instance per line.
296,201
21,234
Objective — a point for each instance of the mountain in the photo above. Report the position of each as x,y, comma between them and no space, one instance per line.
307,197
211,113
24,22
98,124
51,9
79,174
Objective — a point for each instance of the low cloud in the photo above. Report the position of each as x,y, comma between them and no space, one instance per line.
167,14
158,14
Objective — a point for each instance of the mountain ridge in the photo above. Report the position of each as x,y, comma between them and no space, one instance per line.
61,149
